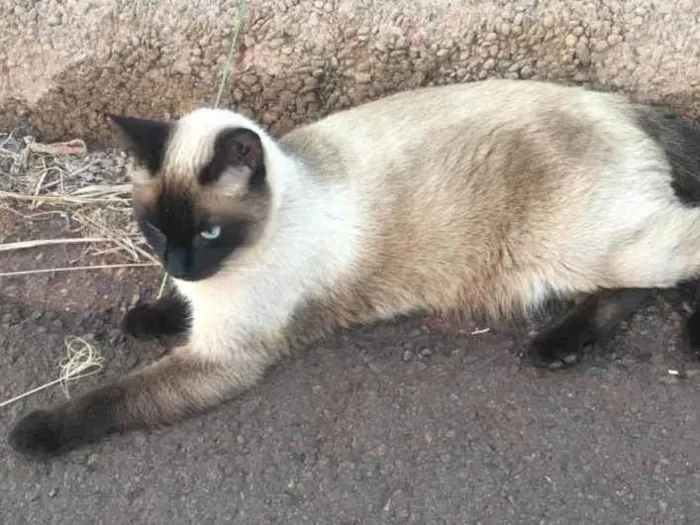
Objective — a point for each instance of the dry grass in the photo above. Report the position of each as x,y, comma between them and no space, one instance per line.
89,189
82,360
242,19
91,192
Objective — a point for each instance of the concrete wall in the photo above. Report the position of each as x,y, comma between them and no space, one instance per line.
63,63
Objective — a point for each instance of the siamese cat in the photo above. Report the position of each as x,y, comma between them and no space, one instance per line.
482,198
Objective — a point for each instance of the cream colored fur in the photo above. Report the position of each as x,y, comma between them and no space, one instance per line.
488,196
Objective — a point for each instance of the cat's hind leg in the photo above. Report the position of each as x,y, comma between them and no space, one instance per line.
563,342
692,325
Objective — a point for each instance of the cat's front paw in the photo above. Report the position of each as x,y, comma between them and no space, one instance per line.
38,435
165,318
141,322
555,349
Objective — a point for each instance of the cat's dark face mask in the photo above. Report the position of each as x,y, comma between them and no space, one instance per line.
195,222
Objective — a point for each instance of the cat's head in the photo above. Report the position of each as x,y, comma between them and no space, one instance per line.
202,187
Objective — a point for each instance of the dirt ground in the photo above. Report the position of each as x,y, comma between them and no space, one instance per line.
418,421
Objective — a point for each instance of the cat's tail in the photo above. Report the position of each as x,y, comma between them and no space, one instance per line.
180,384
679,138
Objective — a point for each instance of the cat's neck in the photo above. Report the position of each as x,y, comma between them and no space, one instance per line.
313,241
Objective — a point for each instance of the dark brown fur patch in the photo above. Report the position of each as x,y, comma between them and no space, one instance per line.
236,149
564,341
174,208
145,139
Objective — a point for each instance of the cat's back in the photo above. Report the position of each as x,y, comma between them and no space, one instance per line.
459,185
497,100
435,124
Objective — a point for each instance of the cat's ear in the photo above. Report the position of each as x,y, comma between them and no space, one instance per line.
239,151
145,139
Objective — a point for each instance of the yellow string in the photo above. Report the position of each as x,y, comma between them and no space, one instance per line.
82,360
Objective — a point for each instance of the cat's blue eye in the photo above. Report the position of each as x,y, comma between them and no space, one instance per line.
212,233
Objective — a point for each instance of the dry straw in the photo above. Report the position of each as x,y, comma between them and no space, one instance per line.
21,245
75,269
242,13
82,360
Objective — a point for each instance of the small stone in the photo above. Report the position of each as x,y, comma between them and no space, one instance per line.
600,46
614,39
407,355
181,67
269,118
52,493
248,79
426,352
570,40
583,54
526,72
363,78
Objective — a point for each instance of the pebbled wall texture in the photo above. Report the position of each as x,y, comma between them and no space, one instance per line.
64,63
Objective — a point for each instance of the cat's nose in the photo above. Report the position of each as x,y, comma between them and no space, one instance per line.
177,262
